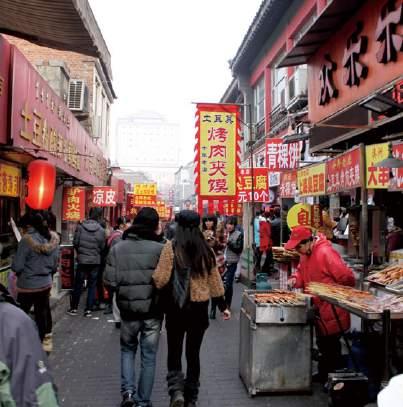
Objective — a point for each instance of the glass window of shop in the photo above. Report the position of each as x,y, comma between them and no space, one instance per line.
258,100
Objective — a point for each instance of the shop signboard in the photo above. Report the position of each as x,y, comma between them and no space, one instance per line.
10,180
274,179
131,209
145,189
232,208
104,197
42,125
377,178
311,180
217,151
73,204
344,171
281,156
396,183
67,267
305,215
288,184
119,185
145,200
260,191
4,86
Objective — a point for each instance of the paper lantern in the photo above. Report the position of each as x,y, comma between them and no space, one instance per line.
41,184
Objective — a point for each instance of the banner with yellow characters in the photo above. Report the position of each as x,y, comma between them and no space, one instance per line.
312,180
377,178
217,151
145,189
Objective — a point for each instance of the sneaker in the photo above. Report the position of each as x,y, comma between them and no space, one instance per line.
73,312
88,313
127,400
47,343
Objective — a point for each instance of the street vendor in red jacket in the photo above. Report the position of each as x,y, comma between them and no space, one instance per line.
320,262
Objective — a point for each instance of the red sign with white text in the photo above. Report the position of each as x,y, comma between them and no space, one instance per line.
4,80
104,197
288,184
344,172
260,185
73,204
281,156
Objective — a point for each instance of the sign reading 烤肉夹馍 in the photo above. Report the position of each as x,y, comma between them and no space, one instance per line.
74,200
145,189
104,196
44,126
312,180
217,146
260,185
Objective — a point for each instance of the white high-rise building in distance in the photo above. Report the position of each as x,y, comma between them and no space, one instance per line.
147,142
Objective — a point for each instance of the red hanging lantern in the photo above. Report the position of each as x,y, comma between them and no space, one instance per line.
41,184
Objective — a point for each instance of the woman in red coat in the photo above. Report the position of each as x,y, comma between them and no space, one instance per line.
266,244
320,262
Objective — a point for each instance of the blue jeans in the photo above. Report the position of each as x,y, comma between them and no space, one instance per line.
149,331
229,282
83,270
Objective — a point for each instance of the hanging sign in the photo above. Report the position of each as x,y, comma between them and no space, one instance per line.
131,210
260,185
145,200
73,204
396,183
377,178
145,189
274,179
305,215
10,180
282,156
217,150
344,172
67,267
311,180
104,197
288,184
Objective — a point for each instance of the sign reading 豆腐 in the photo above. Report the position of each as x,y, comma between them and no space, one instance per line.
344,171
104,196
260,185
217,150
73,204
312,180
145,189
280,156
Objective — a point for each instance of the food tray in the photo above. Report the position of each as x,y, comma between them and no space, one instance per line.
369,278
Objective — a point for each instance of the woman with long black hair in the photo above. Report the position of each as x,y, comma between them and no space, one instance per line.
188,268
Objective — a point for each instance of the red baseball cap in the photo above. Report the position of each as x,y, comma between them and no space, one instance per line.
298,234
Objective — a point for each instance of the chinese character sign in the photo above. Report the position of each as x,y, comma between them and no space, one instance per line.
344,172
260,185
288,184
145,189
73,204
232,208
104,196
282,156
396,183
10,180
312,180
377,178
145,200
305,215
131,210
217,148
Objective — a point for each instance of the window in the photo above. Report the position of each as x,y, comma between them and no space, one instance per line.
258,100
279,79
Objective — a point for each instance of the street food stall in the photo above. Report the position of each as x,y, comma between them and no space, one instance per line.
275,341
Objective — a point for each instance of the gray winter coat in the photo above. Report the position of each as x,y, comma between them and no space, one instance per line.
129,269
36,260
89,241
25,379
234,247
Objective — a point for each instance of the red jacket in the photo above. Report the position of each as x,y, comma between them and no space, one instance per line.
325,265
265,236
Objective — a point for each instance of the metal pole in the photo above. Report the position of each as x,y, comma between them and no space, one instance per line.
364,220
251,143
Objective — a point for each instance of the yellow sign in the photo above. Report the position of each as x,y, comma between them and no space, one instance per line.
377,178
218,152
10,180
299,215
312,180
145,189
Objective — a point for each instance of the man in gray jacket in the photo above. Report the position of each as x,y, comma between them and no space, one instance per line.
24,375
129,269
89,242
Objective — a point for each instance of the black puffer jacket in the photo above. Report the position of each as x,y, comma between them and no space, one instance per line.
89,241
129,268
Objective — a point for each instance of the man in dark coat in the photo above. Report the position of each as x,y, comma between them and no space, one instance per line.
89,242
129,269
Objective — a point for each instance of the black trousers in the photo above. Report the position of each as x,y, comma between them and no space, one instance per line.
192,321
42,314
330,358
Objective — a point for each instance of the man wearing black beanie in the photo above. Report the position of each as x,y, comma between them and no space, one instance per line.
129,268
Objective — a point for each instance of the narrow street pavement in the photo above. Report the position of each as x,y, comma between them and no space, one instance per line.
85,365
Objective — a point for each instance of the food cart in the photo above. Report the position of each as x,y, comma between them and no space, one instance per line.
275,341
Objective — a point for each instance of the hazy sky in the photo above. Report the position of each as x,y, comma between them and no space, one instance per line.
169,53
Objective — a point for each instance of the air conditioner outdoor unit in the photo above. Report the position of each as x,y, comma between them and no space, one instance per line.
297,87
78,96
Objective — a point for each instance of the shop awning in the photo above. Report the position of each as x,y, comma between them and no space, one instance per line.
63,24
320,30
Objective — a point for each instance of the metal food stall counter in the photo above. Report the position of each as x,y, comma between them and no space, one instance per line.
275,345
